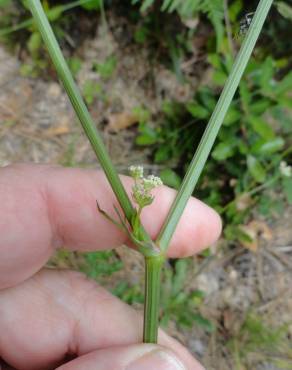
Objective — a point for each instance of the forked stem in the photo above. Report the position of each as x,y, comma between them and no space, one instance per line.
153,264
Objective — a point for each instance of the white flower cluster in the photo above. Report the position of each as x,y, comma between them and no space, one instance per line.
285,169
152,182
136,172
143,186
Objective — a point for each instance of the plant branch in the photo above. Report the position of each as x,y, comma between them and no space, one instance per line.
81,109
196,167
153,264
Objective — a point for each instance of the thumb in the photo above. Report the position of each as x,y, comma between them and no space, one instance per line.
135,357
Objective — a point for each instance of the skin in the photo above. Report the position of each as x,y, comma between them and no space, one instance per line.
49,317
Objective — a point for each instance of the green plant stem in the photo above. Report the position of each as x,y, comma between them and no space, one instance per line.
79,106
153,264
153,268
196,167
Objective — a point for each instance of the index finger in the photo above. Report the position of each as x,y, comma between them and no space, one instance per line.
44,207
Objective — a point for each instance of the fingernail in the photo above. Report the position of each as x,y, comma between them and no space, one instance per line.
157,360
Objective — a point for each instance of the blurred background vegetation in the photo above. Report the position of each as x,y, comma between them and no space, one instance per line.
177,54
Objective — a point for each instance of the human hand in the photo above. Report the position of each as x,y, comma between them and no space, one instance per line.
59,319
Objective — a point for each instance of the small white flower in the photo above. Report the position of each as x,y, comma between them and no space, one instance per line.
136,172
152,182
141,190
285,170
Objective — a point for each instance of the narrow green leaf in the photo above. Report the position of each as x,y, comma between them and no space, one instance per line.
55,13
284,9
198,111
223,151
145,139
148,136
214,60
284,85
219,77
92,4
34,42
170,178
233,115
268,147
261,127
234,9
203,322
267,72
245,95
166,4
162,154
256,169
260,106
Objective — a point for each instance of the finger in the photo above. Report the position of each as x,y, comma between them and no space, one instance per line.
135,357
61,313
45,207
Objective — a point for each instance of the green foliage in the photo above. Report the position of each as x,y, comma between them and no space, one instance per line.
250,145
100,264
74,65
255,168
4,3
284,9
129,293
92,90
14,12
107,68
255,338
213,9
287,188
16,18
92,5
176,304
179,305
170,178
